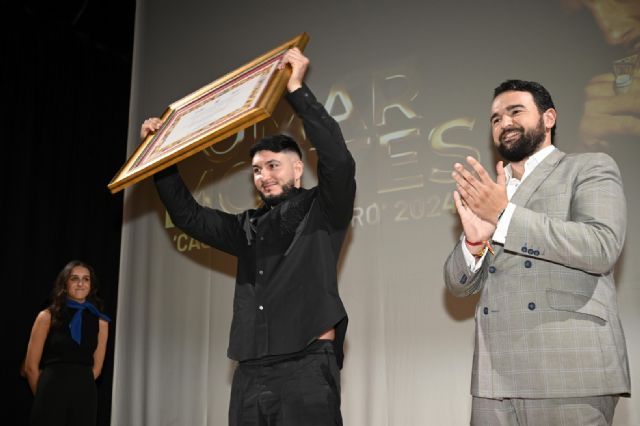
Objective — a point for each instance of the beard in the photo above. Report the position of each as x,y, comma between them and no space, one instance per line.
288,189
521,148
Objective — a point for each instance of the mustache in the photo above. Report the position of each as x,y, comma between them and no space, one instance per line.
267,183
510,129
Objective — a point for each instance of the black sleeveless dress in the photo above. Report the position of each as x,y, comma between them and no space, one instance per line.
66,394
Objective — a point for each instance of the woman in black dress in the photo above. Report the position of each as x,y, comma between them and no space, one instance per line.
66,351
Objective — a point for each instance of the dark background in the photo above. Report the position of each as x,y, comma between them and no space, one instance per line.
66,71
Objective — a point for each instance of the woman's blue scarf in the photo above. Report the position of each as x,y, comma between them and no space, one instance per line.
76,322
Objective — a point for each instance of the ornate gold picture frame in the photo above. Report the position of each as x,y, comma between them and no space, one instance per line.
212,113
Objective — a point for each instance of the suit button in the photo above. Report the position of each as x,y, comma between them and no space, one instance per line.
530,251
261,307
485,310
532,306
492,269
524,249
527,264
536,253
261,272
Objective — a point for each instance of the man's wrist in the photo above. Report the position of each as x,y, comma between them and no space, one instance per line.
474,247
294,86
498,216
478,248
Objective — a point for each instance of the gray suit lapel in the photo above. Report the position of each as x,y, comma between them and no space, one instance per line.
537,177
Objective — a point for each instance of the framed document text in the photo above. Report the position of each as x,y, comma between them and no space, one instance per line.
212,113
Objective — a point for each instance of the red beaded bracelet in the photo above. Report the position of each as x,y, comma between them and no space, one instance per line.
487,246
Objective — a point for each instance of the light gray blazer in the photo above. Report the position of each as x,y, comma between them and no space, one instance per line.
547,322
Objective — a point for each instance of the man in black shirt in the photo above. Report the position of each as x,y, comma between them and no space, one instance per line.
289,323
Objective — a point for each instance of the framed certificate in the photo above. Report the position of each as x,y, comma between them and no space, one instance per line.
210,114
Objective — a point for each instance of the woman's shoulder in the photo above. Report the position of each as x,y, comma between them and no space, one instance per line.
44,315
43,320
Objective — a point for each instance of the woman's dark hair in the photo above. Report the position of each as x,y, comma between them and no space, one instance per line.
276,143
541,96
59,291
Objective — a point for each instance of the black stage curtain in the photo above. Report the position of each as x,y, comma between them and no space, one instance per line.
66,70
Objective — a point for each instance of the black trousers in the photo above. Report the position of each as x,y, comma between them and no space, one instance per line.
66,396
302,389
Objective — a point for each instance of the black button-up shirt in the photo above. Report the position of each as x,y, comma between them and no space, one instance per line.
286,291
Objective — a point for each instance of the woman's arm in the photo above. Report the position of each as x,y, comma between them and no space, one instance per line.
101,349
39,333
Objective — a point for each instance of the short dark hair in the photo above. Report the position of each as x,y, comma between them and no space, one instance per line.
541,96
276,143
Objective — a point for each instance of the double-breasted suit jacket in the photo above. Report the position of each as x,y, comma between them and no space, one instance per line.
547,322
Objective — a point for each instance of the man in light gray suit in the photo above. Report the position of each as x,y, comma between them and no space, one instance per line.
540,244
